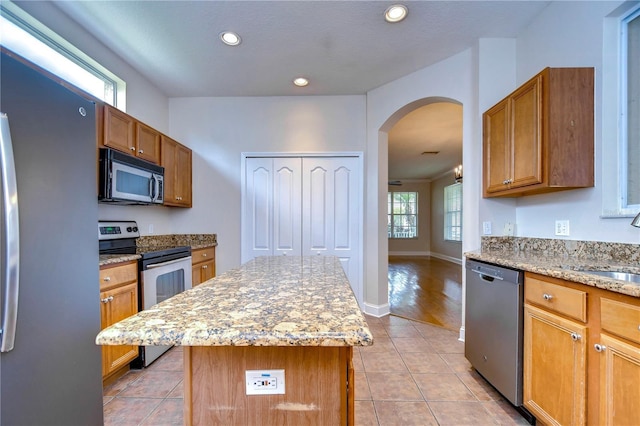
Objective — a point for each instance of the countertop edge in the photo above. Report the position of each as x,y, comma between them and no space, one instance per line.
561,268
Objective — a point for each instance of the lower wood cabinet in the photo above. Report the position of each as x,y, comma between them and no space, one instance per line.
581,353
555,367
118,300
203,263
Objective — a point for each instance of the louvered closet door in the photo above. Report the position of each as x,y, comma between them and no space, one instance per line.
272,207
330,212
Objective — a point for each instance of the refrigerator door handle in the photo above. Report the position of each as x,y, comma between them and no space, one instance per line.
10,230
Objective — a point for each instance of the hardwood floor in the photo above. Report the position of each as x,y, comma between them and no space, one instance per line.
426,289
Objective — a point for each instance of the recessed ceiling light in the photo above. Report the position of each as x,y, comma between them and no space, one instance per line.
396,13
301,82
230,38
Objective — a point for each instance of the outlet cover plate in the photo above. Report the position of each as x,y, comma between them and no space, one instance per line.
264,382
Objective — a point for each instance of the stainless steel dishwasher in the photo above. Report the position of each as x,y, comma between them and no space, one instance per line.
494,327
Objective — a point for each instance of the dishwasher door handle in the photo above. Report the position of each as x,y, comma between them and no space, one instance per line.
484,276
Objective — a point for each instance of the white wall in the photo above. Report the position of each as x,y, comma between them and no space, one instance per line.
568,34
218,130
452,79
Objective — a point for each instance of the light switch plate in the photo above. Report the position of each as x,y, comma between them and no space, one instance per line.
486,228
562,228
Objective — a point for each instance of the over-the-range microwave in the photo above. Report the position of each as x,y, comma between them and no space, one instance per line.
125,179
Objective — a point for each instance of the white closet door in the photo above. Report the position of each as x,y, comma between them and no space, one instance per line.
272,207
330,212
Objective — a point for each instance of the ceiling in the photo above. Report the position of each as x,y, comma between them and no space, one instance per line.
343,47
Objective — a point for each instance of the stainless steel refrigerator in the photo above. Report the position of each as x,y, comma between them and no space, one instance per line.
50,367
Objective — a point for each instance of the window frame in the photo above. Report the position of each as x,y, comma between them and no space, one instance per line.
391,215
614,123
452,232
58,45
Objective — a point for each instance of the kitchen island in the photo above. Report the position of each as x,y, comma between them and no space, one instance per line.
296,314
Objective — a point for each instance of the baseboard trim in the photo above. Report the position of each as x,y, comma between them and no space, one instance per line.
376,310
427,253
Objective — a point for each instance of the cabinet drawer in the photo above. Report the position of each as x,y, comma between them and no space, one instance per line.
119,274
203,255
556,298
620,318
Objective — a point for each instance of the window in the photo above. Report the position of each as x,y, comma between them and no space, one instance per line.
453,212
621,112
630,107
402,218
27,37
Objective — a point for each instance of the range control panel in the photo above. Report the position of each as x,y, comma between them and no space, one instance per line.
115,230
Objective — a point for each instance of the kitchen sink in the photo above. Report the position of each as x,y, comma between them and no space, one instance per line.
616,275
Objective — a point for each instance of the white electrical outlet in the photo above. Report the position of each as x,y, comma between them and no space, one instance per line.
265,382
509,229
151,228
562,228
486,228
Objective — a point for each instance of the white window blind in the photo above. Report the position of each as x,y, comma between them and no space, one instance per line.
453,212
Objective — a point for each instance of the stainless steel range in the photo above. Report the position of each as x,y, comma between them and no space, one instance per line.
163,271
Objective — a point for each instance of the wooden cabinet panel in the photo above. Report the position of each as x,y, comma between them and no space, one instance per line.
176,160
619,382
118,130
620,318
147,143
546,130
126,134
203,265
497,150
554,367
526,153
557,298
118,300
117,304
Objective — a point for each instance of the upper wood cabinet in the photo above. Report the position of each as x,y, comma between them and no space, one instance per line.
540,137
126,134
176,160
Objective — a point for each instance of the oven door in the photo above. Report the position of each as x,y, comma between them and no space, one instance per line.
161,281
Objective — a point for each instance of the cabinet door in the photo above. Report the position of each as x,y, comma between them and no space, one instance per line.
207,270
554,367
183,175
147,143
525,115
497,149
117,304
195,275
118,130
168,148
619,378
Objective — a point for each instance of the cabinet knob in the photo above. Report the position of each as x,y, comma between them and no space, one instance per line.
547,296
205,266
133,148
107,299
106,279
599,348
204,254
141,151
575,337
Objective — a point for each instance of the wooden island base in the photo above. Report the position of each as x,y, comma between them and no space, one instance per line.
319,385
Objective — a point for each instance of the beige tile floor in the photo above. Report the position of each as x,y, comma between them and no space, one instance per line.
414,374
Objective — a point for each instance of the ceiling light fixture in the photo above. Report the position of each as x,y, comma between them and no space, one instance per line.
395,13
230,38
301,82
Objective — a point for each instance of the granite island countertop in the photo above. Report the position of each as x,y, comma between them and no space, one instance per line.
565,259
269,301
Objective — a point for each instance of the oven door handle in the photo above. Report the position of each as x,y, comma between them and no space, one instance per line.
171,262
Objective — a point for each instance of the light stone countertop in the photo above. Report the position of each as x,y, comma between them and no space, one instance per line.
269,301
563,267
